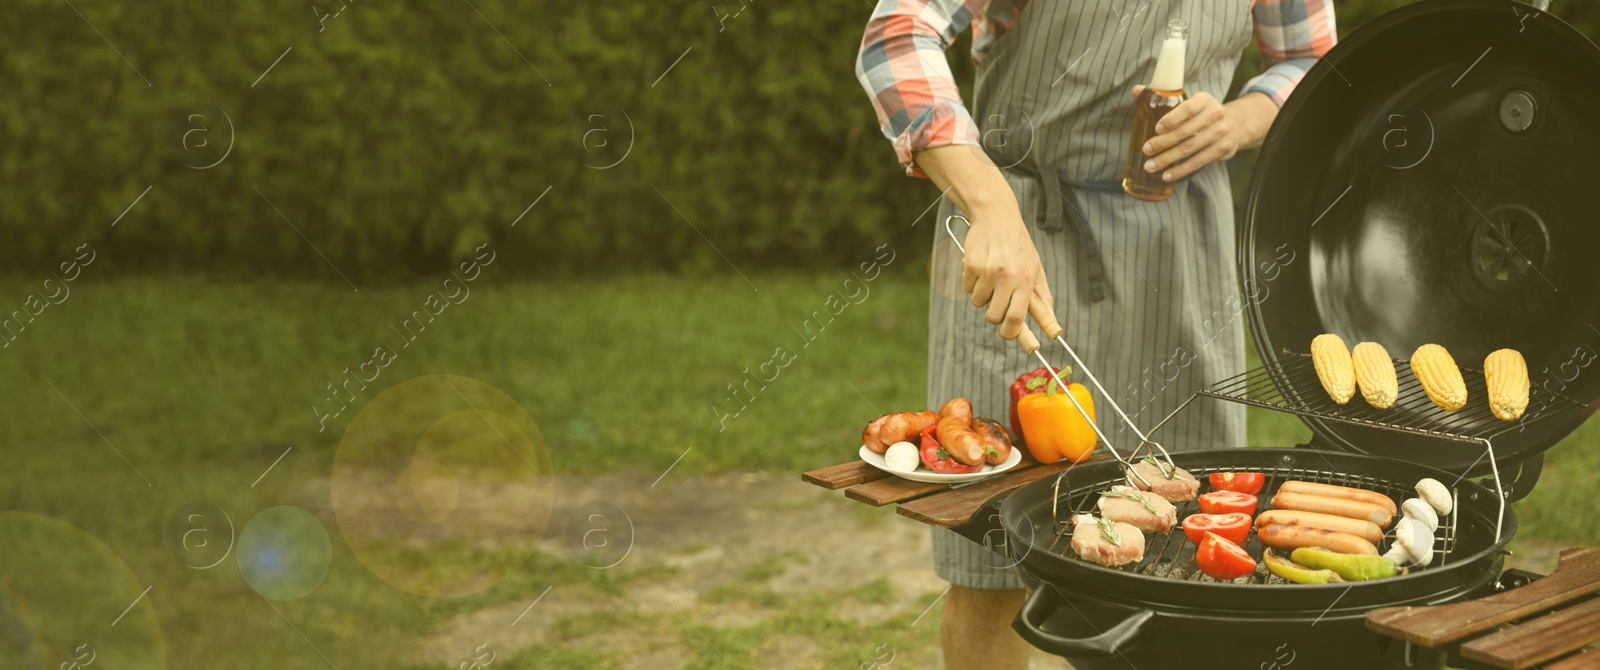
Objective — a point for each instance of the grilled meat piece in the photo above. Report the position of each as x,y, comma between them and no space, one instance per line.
1134,507
1091,542
1180,488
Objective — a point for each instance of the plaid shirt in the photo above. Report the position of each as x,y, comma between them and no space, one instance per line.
903,68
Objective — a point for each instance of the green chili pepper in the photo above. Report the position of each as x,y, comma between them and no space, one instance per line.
1297,573
1354,567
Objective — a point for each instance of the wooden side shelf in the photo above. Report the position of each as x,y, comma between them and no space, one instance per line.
1521,628
941,505
844,475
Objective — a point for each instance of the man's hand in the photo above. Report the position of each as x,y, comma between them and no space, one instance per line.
1001,268
1202,130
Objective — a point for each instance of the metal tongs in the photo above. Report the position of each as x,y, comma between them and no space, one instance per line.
1045,317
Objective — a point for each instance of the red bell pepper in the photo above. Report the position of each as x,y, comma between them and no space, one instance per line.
1027,382
937,460
1235,527
1243,482
1228,502
1221,558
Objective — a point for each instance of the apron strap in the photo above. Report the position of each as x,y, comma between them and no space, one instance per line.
1065,191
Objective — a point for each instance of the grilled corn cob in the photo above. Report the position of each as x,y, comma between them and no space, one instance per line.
1506,375
1334,368
1375,374
1440,377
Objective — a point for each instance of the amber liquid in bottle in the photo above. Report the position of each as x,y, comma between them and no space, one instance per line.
1161,96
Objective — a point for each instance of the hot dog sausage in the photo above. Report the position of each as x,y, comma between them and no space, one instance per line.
1281,536
1354,509
996,441
1348,493
901,427
957,407
1360,528
869,437
960,441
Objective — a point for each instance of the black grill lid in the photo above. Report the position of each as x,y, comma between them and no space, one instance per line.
1432,179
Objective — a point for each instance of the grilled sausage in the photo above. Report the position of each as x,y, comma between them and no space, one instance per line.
960,441
996,441
901,427
1282,536
869,437
1360,528
957,407
1354,509
1348,493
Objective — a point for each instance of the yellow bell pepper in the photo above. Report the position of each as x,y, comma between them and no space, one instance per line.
1053,429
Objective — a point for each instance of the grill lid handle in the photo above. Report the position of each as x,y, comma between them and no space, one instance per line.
1045,600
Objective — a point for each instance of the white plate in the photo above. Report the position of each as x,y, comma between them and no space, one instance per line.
922,474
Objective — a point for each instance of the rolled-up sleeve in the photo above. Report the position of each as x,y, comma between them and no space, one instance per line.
1292,35
903,68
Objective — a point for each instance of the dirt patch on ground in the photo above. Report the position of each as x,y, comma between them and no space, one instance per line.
717,533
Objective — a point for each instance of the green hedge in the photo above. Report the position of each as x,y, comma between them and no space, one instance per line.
405,133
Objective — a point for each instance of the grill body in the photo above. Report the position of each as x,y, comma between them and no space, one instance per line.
1163,609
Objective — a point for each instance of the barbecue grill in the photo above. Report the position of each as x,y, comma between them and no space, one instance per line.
1462,235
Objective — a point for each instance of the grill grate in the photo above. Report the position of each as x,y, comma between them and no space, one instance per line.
1172,555
1290,384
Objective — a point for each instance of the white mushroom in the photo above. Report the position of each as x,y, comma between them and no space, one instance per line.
1417,508
1398,554
1436,494
902,457
1414,537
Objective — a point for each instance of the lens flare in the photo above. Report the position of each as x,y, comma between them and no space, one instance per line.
284,553
442,486
66,600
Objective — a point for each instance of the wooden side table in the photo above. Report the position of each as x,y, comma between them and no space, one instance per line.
1538,625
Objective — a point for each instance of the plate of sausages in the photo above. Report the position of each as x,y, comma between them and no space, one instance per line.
948,446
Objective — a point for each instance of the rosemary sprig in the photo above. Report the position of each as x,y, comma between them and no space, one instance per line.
1167,470
1132,496
1108,532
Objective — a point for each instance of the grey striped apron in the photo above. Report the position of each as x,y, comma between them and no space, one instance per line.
1147,291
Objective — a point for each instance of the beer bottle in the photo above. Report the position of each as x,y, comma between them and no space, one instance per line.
1163,93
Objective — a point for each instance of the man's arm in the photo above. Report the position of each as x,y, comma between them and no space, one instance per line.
903,68
1001,268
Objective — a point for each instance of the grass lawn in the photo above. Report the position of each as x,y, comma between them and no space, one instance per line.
201,385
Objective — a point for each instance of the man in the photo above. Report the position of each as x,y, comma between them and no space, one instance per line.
1146,290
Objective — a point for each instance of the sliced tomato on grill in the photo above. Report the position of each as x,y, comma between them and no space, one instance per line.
1228,502
1235,527
1243,482
1221,558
